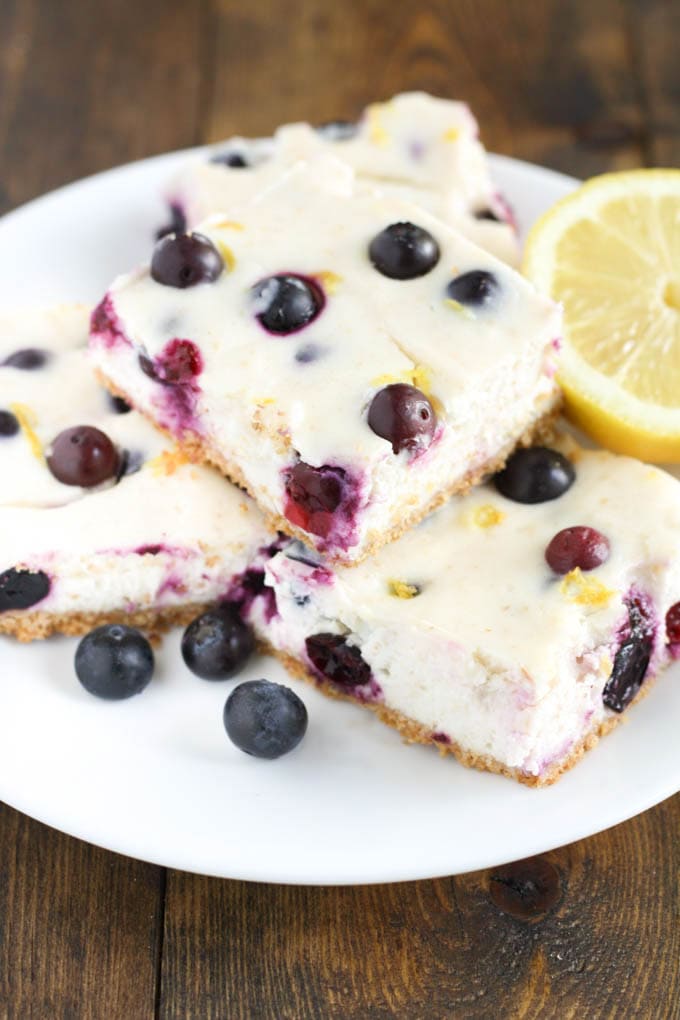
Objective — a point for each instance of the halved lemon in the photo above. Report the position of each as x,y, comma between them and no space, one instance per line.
610,252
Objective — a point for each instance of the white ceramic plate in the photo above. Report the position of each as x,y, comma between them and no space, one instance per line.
156,778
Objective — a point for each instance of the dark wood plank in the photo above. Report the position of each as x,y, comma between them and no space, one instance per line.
85,86
587,931
80,927
550,82
655,31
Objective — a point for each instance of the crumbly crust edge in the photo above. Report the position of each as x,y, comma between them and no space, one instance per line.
38,624
413,732
197,450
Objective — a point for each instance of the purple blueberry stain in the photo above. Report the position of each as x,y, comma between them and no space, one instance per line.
172,584
176,370
417,150
149,550
248,588
440,737
105,326
506,211
324,502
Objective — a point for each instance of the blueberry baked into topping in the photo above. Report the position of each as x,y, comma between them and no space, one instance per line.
404,251
83,456
185,260
286,302
474,289
404,416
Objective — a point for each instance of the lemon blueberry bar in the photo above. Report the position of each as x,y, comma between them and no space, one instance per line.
414,146
346,357
513,626
101,520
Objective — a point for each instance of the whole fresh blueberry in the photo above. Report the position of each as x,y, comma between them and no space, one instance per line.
476,288
114,662
286,302
404,416
403,251
21,589
83,456
234,160
217,644
578,546
265,719
9,426
118,405
337,660
28,359
535,475
185,260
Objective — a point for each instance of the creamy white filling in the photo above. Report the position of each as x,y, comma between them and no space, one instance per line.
483,424
94,543
495,653
413,147
126,583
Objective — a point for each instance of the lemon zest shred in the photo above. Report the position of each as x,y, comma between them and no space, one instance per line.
419,376
487,516
586,591
28,419
229,225
451,134
329,279
227,254
467,313
403,590
376,132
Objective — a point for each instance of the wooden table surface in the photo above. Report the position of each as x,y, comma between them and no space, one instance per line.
591,930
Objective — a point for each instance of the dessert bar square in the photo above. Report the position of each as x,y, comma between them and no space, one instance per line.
349,359
480,633
101,518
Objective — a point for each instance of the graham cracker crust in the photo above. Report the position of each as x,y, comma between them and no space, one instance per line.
36,625
413,732
197,450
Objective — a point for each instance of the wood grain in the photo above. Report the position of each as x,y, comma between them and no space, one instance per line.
595,935
79,927
655,35
549,82
87,86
